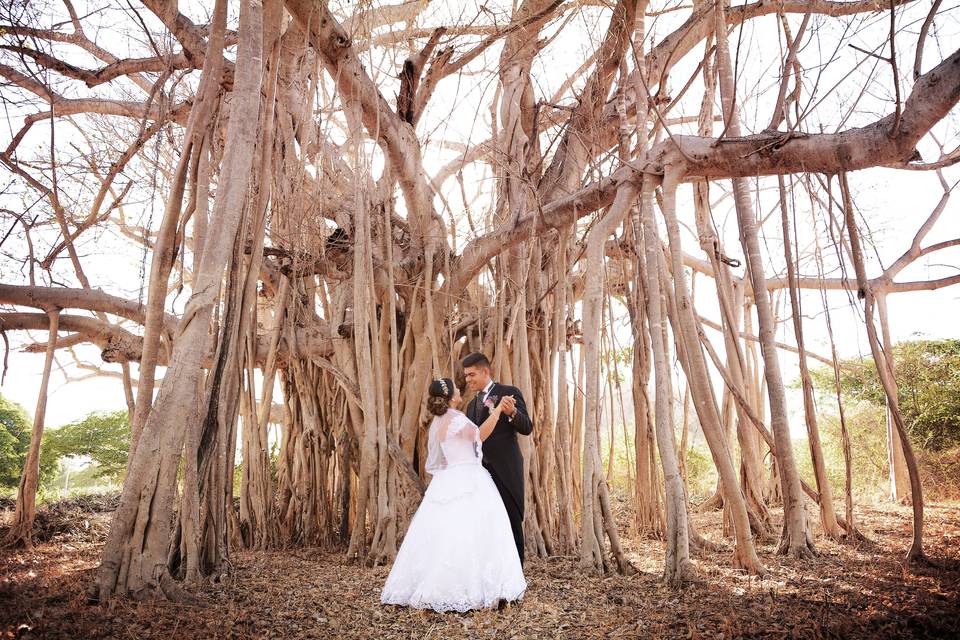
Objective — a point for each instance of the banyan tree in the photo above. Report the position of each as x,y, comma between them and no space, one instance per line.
330,203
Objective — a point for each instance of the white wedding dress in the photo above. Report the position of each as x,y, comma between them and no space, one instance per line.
459,552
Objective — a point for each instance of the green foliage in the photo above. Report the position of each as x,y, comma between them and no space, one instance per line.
928,379
104,437
701,474
15,427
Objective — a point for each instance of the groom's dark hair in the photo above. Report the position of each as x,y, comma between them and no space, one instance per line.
476,360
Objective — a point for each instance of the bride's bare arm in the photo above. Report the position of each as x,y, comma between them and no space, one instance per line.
488,425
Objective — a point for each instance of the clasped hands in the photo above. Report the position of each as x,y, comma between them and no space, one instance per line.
508,404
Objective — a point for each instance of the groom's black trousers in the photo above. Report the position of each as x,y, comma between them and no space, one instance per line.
514,512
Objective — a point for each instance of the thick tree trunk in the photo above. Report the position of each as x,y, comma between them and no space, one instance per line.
135,555
165,249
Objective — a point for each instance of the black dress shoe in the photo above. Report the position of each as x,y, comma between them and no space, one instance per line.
501,604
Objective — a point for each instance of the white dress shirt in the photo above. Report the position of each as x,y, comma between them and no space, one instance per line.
486,391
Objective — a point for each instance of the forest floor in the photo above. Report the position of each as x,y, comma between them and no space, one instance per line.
852,590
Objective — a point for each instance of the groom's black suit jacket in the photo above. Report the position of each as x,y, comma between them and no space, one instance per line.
501,452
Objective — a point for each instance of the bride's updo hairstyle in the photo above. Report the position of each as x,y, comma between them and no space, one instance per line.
440,392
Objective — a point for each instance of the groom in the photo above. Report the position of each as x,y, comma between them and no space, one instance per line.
501,452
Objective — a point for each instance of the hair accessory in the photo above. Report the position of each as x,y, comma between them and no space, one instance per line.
443,385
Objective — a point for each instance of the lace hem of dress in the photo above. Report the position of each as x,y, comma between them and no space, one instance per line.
461,606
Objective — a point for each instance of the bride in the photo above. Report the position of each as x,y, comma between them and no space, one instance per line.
459,552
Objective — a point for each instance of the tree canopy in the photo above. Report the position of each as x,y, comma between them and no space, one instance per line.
103,436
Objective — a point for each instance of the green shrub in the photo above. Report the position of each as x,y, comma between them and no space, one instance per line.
15,427
928,389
